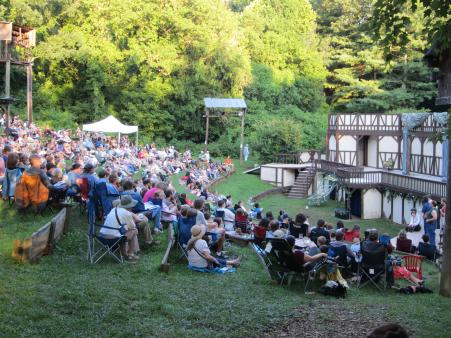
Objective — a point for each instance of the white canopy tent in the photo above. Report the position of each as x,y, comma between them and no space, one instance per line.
111,125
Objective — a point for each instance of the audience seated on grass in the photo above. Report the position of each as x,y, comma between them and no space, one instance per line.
299,226
321,241
11,176
33,187
350,234
319,230
341,251
426,249
403,243
227,215
373,267
121,221
301,256
199,255
415,221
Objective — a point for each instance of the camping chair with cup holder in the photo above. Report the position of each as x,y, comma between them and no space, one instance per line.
372,268
340,255
100,246
184,234
284,262
104,199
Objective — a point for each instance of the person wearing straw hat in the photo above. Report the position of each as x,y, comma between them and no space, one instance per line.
118,216
199,255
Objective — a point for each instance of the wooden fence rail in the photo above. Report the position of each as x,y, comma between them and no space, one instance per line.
42,241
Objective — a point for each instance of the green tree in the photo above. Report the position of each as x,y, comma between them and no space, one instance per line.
271,137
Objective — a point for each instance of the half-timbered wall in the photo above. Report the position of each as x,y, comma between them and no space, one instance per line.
426,156
389,147
347,150
384,142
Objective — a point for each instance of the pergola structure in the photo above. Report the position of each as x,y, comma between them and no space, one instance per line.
216,107
16,43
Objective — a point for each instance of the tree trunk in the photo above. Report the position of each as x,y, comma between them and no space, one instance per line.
445,278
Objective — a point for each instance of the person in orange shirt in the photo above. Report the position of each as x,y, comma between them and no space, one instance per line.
228,161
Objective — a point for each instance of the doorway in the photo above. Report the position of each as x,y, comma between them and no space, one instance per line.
362,151
356,203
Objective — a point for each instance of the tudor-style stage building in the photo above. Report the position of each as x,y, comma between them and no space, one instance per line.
381,165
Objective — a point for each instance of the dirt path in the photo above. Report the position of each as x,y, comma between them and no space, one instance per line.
329,318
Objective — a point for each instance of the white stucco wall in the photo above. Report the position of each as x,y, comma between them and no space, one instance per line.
268,174
288,177
347,142
371,204
332,143
416,146
397,210
386,206
388,143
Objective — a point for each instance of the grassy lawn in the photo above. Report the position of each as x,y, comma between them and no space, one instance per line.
15,225
65,296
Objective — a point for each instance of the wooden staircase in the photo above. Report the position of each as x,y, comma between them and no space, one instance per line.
302,184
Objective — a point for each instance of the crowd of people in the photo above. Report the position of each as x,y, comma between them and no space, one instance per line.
345,244
43,166
127,186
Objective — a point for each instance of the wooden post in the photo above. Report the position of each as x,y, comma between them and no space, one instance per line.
30,92
207,115
445,276
8,80
242,136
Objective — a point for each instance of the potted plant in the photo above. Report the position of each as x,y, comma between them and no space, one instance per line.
389,164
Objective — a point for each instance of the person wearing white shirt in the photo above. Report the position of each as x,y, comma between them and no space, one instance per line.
119,216
415,221
229,216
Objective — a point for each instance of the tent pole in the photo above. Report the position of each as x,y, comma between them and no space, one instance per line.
207,113
242,137
118,140
136,142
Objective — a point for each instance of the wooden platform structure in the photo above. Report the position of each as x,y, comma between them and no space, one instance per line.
16,43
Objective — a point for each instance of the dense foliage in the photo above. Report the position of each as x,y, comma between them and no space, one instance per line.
152,62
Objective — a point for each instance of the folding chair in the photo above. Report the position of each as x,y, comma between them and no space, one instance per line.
284,262
414,263
184,234
99,246
84,194
266,262
372,267
104,199
404,245
340,254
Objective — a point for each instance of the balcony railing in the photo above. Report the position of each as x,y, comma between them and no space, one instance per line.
299,157
424,164
415,185
356,177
